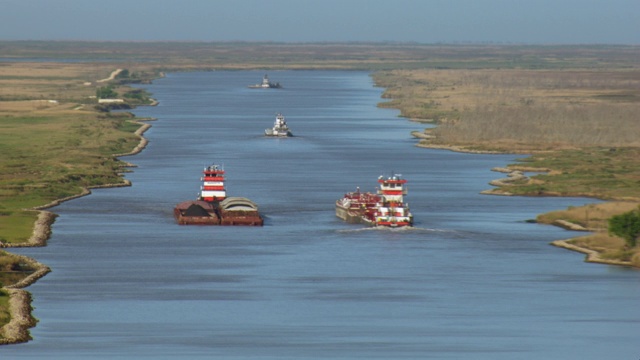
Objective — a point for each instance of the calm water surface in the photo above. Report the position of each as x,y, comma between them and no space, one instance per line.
473,280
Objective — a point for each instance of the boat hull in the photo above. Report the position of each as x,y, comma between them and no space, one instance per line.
270,132
211,213
259,86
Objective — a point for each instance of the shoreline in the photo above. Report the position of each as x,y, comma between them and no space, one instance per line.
591,256
17,329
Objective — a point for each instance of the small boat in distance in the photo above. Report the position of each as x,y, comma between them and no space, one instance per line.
279,129
266,84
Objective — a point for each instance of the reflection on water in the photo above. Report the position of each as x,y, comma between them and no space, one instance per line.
473,280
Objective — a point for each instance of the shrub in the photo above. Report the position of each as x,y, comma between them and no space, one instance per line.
626,226
106,92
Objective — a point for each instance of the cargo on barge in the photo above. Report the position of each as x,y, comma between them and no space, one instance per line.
213,207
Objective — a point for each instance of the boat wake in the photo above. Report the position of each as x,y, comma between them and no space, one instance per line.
411,229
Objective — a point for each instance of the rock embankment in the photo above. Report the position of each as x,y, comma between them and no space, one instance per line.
591,255
512,176
17,330
569,225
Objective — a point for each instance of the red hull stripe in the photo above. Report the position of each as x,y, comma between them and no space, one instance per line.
213,188
392,192
211,198
387,223
382,181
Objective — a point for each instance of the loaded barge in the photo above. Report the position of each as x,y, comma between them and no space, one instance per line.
385,208
213,207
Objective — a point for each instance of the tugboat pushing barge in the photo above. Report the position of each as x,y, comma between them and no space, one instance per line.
386,208
213,207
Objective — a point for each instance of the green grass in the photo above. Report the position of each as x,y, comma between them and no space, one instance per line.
5,316
47,158
16,226
598,172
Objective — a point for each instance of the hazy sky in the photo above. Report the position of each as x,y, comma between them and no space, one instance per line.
423,21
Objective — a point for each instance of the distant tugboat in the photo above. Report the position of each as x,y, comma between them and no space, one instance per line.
386,208
213,207
266,84
280,128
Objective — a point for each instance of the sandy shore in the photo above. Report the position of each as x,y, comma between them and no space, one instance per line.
17,330
591,255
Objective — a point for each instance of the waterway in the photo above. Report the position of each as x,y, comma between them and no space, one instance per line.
472,280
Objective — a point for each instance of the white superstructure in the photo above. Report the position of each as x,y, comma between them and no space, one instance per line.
392,211
280,127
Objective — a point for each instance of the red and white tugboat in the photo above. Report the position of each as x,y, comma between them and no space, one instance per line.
212,188
213,207
392,211
385,208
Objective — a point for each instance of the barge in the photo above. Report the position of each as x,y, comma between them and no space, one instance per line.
213,207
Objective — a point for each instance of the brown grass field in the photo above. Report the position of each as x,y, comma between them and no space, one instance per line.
573,107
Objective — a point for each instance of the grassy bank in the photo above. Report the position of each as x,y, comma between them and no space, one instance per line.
5,316
55,143
52,155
